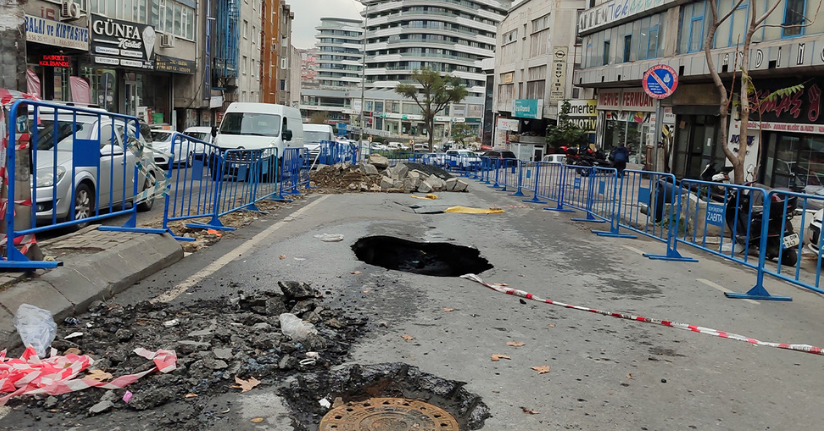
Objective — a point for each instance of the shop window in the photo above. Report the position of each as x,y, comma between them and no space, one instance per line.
627,47
794,17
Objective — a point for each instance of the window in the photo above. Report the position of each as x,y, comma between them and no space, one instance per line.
794,16
240,123
245,29
283,84
627,47
243,64
606,52
253,67
541,23
283,63
510,37
168,16
254,34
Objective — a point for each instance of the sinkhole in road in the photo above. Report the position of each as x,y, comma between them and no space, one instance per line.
426,258
390,396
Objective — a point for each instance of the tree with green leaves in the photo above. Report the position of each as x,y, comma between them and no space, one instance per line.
460,133
566,133
319,117
432,92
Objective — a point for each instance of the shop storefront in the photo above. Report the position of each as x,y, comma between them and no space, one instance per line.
627,116
791,144
121,70
54,50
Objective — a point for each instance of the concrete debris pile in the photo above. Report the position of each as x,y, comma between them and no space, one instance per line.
219,344
377,176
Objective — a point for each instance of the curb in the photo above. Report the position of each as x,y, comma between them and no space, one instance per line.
70,289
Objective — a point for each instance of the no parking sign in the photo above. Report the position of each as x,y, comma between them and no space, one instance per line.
660,81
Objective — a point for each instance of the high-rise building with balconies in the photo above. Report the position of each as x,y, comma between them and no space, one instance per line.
340,43
451,36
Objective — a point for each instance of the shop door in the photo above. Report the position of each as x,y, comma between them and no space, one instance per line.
697,146
134,93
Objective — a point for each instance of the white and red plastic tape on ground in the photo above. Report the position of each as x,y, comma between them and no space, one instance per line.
30,375
692,328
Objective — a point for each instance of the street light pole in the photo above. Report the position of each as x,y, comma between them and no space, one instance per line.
363,78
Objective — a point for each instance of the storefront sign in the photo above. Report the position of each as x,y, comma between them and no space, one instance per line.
55,61
122,43
617,10
508,78
557,88
629,99
48,32
528,108
582,113
174,65
508,125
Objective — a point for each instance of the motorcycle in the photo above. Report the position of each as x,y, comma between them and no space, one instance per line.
586,158
745,211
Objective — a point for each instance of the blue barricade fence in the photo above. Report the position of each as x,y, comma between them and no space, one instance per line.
791,222
194,187
294,173
549,183
717,218
109,173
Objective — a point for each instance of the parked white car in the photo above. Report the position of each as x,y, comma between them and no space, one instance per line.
462,159
814,232
52,192
555,158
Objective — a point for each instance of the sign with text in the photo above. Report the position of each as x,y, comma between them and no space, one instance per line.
55,61
628,99
122,43
660,81
528,108
508,125
617,10
48,32
582,113
715,215
557,87
174,65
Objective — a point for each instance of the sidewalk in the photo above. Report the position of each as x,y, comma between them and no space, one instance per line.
96,266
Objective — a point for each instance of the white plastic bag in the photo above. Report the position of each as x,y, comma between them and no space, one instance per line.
294,328
36,327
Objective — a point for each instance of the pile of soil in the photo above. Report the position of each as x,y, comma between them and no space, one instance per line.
216,342
344,178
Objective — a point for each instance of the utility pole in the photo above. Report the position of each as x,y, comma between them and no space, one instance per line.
363,79
13,77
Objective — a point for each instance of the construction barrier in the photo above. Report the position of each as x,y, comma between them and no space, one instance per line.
109,173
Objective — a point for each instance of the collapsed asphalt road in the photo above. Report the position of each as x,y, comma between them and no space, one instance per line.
533,367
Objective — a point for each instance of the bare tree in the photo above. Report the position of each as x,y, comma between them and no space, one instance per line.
726,95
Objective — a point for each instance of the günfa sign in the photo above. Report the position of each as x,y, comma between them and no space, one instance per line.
528,108
122,43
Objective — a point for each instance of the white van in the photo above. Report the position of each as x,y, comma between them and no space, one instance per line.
313,134
259,125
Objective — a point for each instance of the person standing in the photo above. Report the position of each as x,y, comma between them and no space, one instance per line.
619,157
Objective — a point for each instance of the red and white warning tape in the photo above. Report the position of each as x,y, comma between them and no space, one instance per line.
31,375
692,328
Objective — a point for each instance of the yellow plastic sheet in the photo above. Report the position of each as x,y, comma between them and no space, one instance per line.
427,197
470,210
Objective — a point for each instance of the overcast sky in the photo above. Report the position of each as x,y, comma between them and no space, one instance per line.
309,12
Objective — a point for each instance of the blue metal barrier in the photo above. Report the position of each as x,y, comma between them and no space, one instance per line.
194,186
553,185
104,178
535,180
707,213
782,239
292,171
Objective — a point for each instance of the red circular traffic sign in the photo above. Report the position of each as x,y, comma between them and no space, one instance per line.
660,81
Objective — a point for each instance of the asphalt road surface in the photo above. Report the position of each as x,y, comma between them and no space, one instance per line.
605,373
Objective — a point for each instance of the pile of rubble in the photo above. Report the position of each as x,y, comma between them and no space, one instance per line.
376,175
217,342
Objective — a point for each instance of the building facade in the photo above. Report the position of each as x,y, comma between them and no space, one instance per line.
622,43
536,52
276,52
447,36
337,70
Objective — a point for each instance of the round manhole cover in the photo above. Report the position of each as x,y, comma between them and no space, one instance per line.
388,414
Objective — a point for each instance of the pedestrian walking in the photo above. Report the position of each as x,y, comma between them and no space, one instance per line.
619,157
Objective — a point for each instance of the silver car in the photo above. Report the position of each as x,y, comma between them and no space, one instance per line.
100,139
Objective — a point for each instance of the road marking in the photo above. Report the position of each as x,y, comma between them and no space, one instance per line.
721,288
633,249
229,257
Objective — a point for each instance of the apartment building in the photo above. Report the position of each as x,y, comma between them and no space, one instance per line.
621,43
536,51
